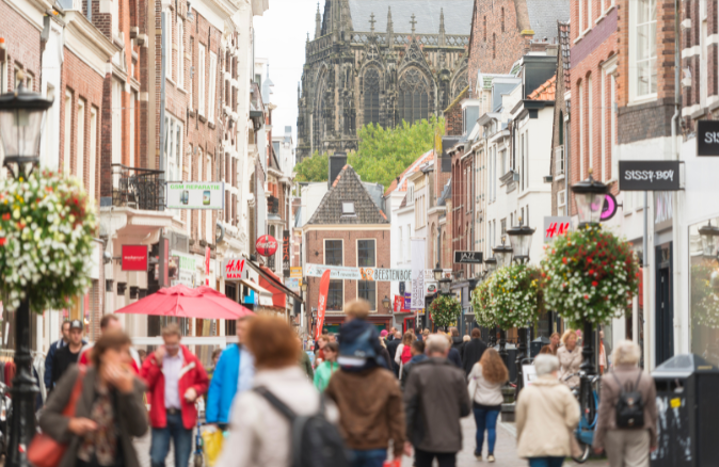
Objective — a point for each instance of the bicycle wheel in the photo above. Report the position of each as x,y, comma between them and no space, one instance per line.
585,450
199,460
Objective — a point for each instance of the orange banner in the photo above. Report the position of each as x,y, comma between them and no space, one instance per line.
322,305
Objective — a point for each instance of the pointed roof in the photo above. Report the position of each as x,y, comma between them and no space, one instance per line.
347,188
400,183
458,15
546,91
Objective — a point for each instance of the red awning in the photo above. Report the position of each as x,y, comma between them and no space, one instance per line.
279,299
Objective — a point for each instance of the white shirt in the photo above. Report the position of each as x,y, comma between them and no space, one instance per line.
247,370
171,367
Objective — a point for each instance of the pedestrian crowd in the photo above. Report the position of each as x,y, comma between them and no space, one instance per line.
361,399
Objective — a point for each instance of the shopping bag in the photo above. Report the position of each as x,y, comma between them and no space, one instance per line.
213,445
393,463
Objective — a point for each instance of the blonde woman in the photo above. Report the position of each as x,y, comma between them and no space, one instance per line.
404,351
570,358
485,388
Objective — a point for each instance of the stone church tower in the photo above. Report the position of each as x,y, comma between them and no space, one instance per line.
382,62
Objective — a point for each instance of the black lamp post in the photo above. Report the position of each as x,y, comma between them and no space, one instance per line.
503,256
386,303
22,117
520,237
490,265
710,240
589,196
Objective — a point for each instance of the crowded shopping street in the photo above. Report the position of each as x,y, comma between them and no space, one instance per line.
359,233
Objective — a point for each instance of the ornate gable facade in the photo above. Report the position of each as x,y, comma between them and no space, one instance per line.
361,69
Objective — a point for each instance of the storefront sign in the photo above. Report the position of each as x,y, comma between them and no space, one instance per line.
196,195
649,175
708,138
358,274
609,208
134,257
186,266
293,284
286,253
266,245
296,271
468,257
429,274
418,251
555,226
407,305
398,301
234,269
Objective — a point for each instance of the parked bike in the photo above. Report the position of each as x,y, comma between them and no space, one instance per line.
588,408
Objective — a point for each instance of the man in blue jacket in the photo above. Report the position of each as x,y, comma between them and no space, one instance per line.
54,347
233,374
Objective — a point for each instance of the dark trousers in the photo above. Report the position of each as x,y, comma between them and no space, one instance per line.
181,440
424,458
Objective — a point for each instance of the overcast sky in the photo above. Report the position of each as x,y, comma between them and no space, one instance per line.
280,36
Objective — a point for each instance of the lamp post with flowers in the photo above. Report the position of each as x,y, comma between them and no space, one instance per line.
46,240
502,258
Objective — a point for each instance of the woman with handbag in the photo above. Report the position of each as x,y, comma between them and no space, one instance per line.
94,412
486,380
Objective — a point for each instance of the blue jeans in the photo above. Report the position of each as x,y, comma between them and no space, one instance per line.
486,419
546,461
181,440
368,458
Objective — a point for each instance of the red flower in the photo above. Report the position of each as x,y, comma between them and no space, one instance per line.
586,297
564,260
589,260
595,283
591,272
3,241
74,200
6,216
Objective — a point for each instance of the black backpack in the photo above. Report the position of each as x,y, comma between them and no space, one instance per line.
630,406
315,441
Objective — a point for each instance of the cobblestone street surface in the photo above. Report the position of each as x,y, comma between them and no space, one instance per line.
505,450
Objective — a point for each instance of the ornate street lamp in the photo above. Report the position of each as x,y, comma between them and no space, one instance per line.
437,272
503,253
386,303
490,265
22,117
710,240
444,285
589,196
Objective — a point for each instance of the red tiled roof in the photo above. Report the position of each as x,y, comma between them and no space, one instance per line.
546,91
413,167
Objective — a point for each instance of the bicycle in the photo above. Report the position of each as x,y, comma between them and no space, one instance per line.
588,408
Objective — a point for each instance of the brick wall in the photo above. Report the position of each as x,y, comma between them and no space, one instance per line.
22,46
314,240
453,121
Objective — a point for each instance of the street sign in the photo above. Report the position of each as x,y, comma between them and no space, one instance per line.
468,257
296,271
234,269
649,175
555,226
707,138
196,195
609,208
286,253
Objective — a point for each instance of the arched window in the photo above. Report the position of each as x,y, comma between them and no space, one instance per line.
371,87
413,96
323,114
459,84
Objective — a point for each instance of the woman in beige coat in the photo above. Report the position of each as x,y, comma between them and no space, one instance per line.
547,414
570,358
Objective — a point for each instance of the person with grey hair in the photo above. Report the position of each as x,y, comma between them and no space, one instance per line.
626,446
435,400
547,414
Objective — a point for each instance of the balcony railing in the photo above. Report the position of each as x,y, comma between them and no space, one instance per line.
138,188
559,161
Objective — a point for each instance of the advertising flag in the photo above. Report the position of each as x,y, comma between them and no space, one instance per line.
418,250
322,305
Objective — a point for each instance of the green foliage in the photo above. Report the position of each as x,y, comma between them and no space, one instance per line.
513,297
445,310
383,154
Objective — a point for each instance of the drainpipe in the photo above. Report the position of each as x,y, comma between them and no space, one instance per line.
163,71
677,64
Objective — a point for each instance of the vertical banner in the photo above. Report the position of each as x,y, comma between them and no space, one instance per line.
286,253
322,305
418,250
207,266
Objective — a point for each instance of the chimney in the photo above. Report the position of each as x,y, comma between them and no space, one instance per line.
334,167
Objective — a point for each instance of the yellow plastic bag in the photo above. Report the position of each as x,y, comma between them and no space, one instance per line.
212,440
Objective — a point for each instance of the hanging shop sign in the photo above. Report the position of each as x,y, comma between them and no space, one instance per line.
134,257
468,257
610,207
358,274
196,195
286,253
554,226
418,250
266,245
649,175
708,138
234,269
185,267
398,300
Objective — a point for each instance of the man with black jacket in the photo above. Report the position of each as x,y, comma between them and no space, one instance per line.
69,354
392,349
473,351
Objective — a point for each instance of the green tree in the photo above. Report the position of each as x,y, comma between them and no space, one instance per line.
382,155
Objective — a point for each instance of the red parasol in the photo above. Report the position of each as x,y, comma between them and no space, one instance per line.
183,302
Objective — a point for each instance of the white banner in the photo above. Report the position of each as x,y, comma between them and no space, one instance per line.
358,274
418,250
195,195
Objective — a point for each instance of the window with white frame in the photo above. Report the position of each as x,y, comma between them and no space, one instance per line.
180,53
366,257
521,167
115,20
170,51
643,49
333,252
561,202
581,130
401,250
212,84
93,152
367,290
173,147
703,45
201,80
80,144
67,132
590,120
589,15
116,121
335,295
581,16
133,106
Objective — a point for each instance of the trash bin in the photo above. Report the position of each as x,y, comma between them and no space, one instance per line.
688,412
536,345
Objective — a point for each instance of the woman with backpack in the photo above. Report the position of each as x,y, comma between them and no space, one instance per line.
627,423
404,351
260,433
486,380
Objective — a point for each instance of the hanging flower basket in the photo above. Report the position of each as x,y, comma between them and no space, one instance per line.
704,298
46,240
515,296
483,313
589,275
445,310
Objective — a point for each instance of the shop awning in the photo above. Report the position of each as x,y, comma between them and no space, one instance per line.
270,281
264,296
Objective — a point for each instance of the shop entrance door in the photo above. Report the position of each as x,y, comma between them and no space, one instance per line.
664,313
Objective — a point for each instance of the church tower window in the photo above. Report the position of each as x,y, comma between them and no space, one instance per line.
413,96
371,96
